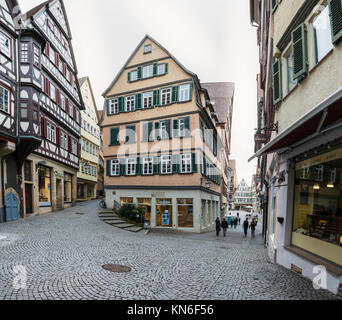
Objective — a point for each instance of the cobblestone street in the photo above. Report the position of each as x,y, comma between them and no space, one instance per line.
63,254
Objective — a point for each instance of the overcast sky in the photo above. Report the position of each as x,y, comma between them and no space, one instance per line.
213,39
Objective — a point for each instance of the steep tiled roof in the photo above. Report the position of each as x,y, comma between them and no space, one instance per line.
222,93
36,9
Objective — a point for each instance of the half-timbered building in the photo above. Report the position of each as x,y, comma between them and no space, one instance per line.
50,104
9,194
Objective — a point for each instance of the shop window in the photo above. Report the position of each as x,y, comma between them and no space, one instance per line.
126,201
28,170
67,188
146,203
185,213
44,184
164,212
317,222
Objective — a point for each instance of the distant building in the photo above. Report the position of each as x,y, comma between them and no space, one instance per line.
244,198
232,183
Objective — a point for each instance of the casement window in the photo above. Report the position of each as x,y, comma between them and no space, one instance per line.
166,166
36,56
147,100
322,31
74,147
133,76
148,48
165,96
52,55
181,127
4,99
130,103
52,92
147,71
24,52
161,69
64,141
184,92
5,45
62,102
148,166
51,132
71,110
288,68
130,134
186,165
164,130
318,172
131,167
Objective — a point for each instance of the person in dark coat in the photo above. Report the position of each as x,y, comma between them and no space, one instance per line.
232,222
253,226
224,226
235,223
218,226
245,227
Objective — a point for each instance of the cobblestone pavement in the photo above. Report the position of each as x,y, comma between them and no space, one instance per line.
63,254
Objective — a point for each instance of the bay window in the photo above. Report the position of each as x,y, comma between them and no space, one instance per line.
4,99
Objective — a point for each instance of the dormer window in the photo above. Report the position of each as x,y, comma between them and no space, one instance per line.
148,49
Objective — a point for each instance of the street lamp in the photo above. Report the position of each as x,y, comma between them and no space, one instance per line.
208,184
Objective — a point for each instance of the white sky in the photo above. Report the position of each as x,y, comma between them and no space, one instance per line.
213,39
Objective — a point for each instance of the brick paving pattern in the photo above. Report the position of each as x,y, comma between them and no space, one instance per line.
64,252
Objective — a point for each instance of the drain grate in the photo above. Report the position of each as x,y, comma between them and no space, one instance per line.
116,268
80,213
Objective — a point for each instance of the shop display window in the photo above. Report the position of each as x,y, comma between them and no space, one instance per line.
147,204
164,212
67,188
185,213
44,184
126,201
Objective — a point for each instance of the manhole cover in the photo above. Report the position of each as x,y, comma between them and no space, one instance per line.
80,213
116,268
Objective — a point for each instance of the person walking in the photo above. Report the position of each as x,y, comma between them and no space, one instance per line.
245,227
239,220
253,226
232,222
235,223
224,226
218,226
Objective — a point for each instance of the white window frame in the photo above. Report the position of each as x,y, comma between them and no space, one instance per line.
36,56
130,103
51,132
134,75
184,92
131,167
64,140
148,48
186,163
5,48
161,69
165,163
24,52
71,110
147,100
62,102
115,168
166,95
147,71
52,92
5,99
74,146
148,166
181,127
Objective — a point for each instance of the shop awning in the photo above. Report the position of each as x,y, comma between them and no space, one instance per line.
321,118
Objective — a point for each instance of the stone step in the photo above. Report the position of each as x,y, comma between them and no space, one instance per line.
124,225
110,217
115,222
133,229
105,211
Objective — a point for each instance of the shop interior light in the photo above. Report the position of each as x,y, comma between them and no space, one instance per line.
316,186
330,185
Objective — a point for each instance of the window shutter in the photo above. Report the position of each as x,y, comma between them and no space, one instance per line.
130,134
139,73
47,49
191,89
187,127
277,86
69,144
43,127
175,93
176,163
205,166
166,68
194,164
168,128
155,69
145,132
138,101
299,49
121,104
67,105
108,107
114,136
122,167
274,5
78,150
176,128
109,164
74,114
156,98
129,77
335,10
138,169
58,135
157,130
150,131
156,165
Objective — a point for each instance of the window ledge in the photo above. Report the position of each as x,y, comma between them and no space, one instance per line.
321,61
332,267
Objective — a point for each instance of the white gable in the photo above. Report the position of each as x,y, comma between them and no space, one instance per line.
5,15
57,11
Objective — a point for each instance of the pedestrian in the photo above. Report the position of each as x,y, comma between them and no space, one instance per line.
239,221
232,222
218,226
224,226
235,223
245,227
253,226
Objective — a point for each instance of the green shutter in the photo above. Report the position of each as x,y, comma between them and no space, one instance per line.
156,98
129,77
156,165
157,130
155,69
194,163
277,83
139,73
204,166
274,5
138,170
108,111
299,49
145,132
169,129
138,101
130,134
175,163
150,131
176,128
114,136
122,167
191,91
121,104
187,127
335,10
109,162
166,68
175,91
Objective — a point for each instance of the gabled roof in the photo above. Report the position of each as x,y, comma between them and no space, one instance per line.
36,9
136,50
83,80
222,93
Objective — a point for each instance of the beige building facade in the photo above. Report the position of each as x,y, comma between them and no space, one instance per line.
160,142
300,140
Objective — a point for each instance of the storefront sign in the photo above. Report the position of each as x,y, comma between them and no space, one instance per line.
260,138
60,175
326,157
158,194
